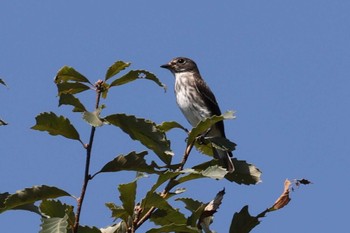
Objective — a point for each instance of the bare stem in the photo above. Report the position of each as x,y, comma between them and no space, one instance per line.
87,176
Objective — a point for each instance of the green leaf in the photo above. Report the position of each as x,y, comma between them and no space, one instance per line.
118,211
196,208
190,204
55,125
69,99
243,222
203,126
195,216
131,162
54,225
175,228
29,206
93,118
146,132
137,74
71,88
127,196
121,227
165,217
31,195
215,172
3,82
154,199
55,208
190,175
244,173
116,68
87,229
165,213
67,73
163,178
168,125
3,197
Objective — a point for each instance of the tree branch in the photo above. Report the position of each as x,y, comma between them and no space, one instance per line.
87,176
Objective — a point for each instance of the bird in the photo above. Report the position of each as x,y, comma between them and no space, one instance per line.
197,102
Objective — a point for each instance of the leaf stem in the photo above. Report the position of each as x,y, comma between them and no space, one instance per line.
87,176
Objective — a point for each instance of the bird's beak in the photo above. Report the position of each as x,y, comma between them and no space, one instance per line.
166,66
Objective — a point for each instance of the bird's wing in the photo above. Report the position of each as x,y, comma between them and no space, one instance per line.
208,97
210,101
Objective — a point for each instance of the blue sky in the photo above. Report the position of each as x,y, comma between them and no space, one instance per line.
282,66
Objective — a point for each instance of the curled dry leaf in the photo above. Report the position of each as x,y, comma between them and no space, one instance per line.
284,199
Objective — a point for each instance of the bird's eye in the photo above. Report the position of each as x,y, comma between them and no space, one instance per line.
181,61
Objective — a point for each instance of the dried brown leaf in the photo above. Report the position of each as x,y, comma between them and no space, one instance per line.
284,199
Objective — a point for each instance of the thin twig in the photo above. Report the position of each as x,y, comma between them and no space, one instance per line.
87,176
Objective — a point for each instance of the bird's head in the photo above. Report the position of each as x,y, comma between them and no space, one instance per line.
181,64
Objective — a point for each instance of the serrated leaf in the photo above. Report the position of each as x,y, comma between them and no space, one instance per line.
127,196
174,228
165,213
55,208
146,132
169,125
71,88
67,73
154,199
69,99
165,217
121,227
131,162
116,68
87,229
56,125
93,118
190,204
204,125
3,82
243,222
137,74
244,173
3,197
54,225
31,195
118,211
193,219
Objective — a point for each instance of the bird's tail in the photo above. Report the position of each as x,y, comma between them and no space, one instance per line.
224,158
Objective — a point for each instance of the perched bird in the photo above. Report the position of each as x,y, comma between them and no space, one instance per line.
197,102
